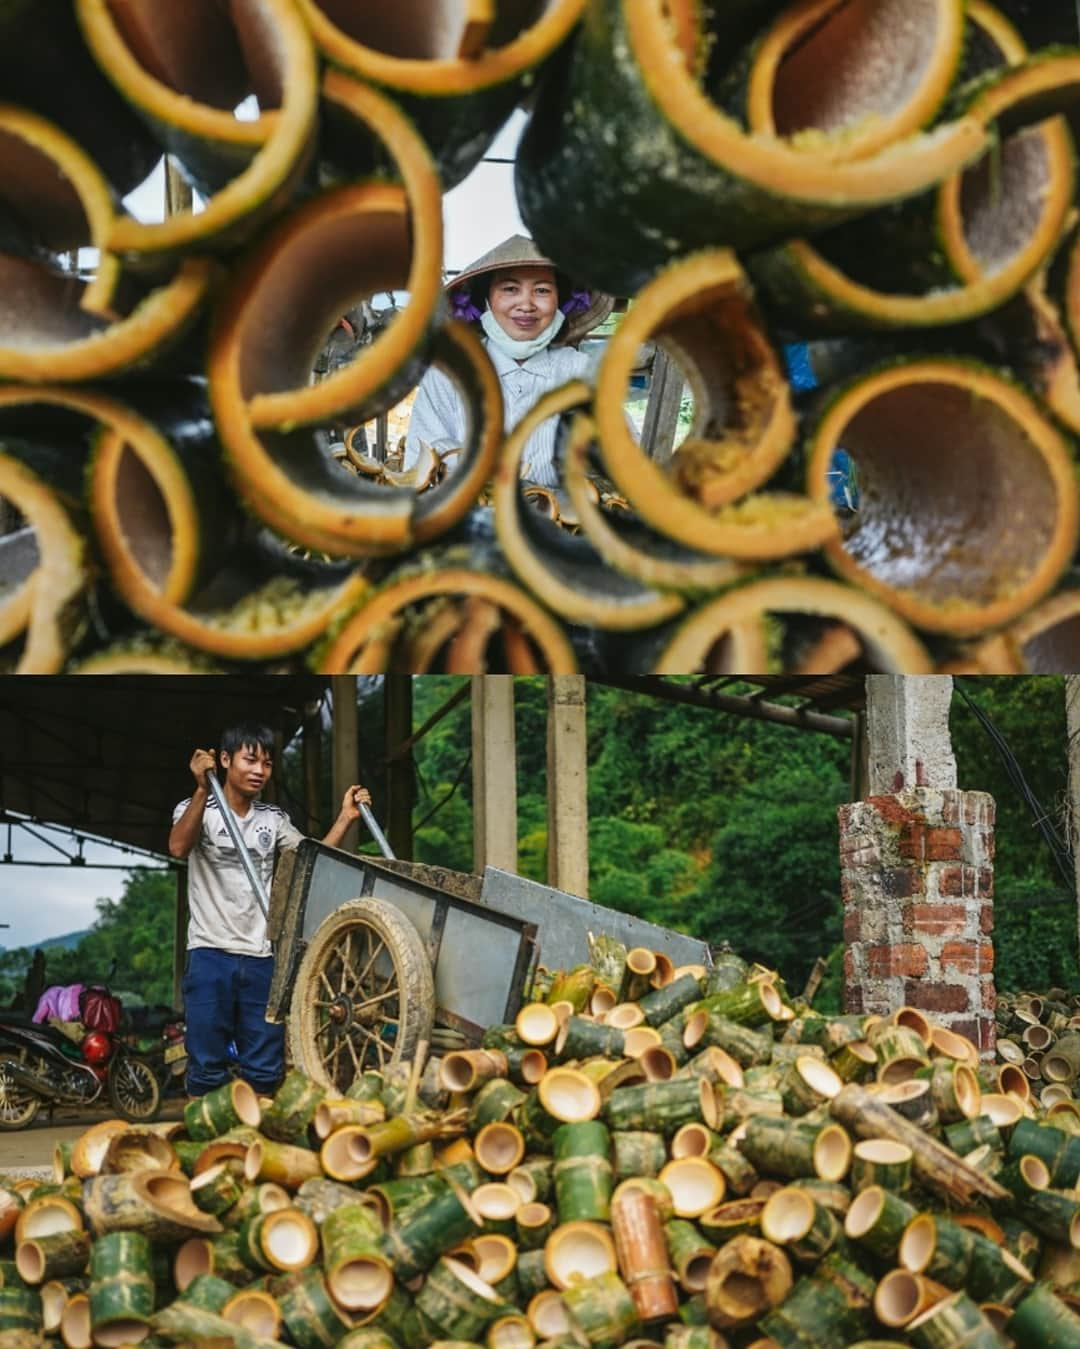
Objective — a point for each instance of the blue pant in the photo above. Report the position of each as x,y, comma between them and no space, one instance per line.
225,999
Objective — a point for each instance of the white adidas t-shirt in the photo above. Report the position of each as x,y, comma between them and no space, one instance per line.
225,914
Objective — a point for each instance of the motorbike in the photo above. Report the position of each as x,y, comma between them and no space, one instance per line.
40,1065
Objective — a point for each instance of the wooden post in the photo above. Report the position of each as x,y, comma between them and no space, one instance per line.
397,722
177,189
344,761
1072,731
567,786
860,759
180,936
494,773
312,758
662,411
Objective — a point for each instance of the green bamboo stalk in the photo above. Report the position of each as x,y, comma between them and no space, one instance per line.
1053,1214
938,1248
20,1309
664,1003
121,1287
880,1161
184,1323
794,1220
367,1087
968,1134
311,1316
955,1321
532,1274
607,956
671,1039
416,1239
854,1062
494,1103
207,1291
747,1046
877,1220
219,1187
993,1275
573,986
255,1199
750,1004
55,1256
690,1253
583,1171
533,1224
728,971
637,1152
220,1110
657,1106
1059,1150
738,1217
602,1309
1042,1319
357,1270
458,1302
737,1169
537,1172
293,1109
581,1039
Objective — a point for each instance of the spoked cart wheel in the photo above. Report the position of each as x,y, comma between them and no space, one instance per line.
364,996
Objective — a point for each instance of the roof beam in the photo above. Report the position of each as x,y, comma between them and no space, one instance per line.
800,718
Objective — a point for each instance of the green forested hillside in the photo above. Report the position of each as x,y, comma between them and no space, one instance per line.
716,825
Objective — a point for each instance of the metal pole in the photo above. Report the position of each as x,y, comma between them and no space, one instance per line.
376,833
239,844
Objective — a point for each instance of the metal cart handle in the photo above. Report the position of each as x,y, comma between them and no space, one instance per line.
238,843
375,832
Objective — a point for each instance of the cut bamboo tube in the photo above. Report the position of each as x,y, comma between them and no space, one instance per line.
807,1084
637,1152
281,1164
578,1250
548,1316
494,1103
696,1186
417,1237
45,1216
533,1224
1042,1318
537,1024
602,1309
156,1203
256,1199
292,1111
933,1164
792,1219
566,1094
660,1106
218,1187
284,1239
254,1310
880,1161
357,1271
746,1278
642,1254
467,1070
336,1114
309,1312
499,1147
583,1172
458,1302
496,1204
209,1292
877,1220
580,1038
955,1320
54,1257
640,966
121,1288
533,1179
75,1322
88,1151
690,1254
223,1109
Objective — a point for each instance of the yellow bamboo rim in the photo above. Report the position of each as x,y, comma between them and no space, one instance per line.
1010,45
548,1315
902,1296
124,491
891,644
90,1149
277,141
301,402
90,352
499,1147
511,1332
496,1255
436,75
696,1185
149,657
991,582
689,303
46,1216
289,1239
75,1322
915,1020
665,566
639,1040
1048,636
256,1311
568,1095
53,172
774,166
578,1250
346,648
802,67
589,592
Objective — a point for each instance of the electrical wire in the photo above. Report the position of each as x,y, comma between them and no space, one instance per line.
1059,847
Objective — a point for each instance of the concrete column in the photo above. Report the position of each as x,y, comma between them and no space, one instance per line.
907,723
397,727
567,786
917,880
494,773
344,763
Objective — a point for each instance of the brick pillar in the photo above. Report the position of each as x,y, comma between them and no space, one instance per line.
917,880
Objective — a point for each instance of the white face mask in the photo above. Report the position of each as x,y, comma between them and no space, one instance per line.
520,351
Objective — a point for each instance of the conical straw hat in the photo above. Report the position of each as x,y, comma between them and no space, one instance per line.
517,251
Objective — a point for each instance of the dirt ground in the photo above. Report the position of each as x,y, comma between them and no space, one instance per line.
31,1150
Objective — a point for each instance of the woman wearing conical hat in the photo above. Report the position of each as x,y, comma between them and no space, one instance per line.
531,315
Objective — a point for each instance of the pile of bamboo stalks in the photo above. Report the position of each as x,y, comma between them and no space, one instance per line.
1038,1045
646,1157
838,180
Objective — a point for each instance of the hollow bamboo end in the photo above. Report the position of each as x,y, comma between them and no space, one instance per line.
918,1244
864,1211
832,1153
289,1239
362,1283
696,1185
499,1147
537,1023
568,1095
578,1250
626,1016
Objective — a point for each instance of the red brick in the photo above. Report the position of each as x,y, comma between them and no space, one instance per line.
911,842
944,845
934,920
853,999
849,967
935,997
986,919
893,811
967,957
986,881
978,808
989,842
952,807
901,958
989,994
852,925
980,1030
950,881
901,882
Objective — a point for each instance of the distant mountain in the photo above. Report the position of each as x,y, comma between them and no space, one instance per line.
68,941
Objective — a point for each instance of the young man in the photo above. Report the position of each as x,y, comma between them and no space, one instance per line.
229,963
